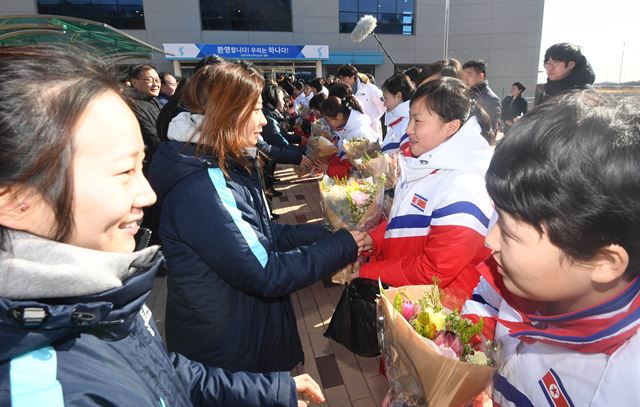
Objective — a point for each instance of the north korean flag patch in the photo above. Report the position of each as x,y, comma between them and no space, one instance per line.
554,391
419,202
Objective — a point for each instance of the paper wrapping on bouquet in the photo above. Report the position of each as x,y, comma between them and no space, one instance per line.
320,129
343,207
358,147
353,323
418,374
382,164
319,149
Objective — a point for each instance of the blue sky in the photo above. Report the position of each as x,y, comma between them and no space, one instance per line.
601,28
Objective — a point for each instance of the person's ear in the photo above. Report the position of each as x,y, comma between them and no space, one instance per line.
610,264
571,65
13,209
453,126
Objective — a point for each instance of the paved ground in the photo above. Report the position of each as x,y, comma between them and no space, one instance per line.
347,379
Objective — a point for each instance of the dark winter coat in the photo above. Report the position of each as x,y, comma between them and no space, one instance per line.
146,110
580,78
59,347
231,269
489,101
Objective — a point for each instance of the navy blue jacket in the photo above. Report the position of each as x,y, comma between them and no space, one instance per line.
231,269
105,350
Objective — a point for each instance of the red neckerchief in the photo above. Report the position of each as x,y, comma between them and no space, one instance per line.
601,328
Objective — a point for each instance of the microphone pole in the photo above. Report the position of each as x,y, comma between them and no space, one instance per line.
395,66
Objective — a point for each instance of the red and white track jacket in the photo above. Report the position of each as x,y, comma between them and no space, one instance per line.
396,121
440,215
589,357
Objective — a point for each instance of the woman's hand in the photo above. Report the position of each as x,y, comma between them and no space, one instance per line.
306,386
360,238
306,163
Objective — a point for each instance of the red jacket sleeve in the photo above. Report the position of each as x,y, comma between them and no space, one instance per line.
448,250
377,236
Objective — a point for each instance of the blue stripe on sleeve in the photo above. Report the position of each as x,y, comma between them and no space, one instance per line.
33,379
510,392
230,205
462,207
409,222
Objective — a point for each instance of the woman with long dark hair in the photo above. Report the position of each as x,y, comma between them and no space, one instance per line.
231,269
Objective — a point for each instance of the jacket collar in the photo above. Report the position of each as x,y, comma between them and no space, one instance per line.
400,111
602,328
466,150
52,290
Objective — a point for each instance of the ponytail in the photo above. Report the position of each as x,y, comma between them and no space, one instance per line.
334,105
484,121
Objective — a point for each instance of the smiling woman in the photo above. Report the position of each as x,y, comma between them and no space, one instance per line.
231,268
73,325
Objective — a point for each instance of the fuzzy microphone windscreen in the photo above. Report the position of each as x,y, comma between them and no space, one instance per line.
365,26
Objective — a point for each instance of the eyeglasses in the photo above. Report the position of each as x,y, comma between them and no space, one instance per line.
552,63
150,80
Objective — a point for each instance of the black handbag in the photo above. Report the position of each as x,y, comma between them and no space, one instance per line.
353,323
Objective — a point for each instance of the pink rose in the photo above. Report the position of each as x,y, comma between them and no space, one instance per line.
360,198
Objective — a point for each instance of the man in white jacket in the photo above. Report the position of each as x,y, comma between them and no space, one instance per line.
369,95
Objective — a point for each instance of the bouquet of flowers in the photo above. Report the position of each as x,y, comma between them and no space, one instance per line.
353,204
433,356
321,128
358,147
379,164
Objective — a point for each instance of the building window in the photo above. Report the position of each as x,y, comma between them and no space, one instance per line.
246,15
394,16
127,14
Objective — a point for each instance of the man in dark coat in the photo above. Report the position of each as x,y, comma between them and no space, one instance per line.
567,69
513,107
144,95
475,76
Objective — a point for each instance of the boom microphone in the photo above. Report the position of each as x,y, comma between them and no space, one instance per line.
365,26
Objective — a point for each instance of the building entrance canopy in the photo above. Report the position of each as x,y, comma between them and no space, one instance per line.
108,42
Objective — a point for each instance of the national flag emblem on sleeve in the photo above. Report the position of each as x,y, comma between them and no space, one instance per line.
554,391
419,202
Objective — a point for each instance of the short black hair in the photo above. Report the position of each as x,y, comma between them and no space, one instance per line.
450,99
210,60
317,84
477,65
450,68
135,72
162,76
570,169
413,73
520,86
347,70
399,83
565,52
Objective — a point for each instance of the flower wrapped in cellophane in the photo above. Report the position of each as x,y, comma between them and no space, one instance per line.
321,128
319,149
352,204
379,164
433,356
358,147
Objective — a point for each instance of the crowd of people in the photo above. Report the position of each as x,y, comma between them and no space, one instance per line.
535,233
